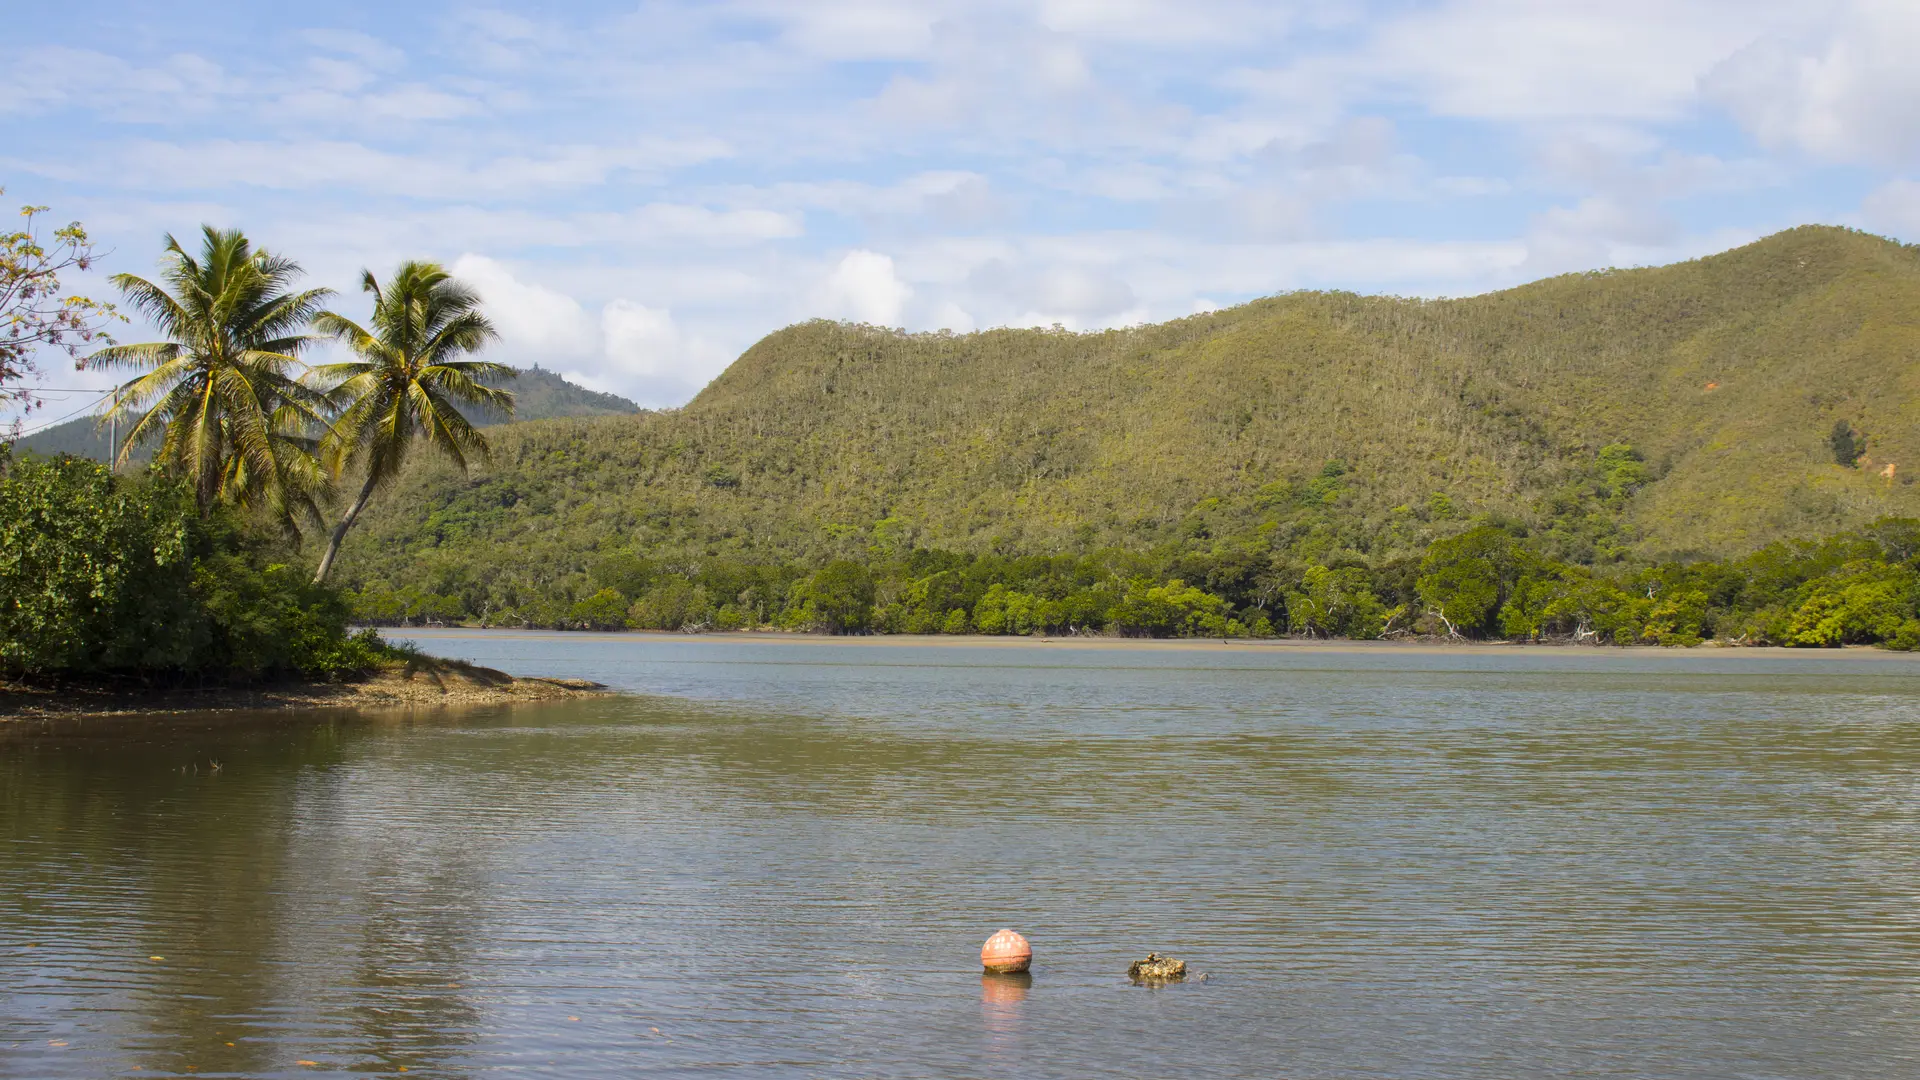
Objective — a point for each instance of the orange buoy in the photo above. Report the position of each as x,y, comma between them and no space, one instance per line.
1006,952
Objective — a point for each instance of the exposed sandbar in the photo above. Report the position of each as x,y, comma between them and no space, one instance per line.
441,684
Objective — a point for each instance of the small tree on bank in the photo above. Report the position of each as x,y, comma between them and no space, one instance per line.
409,376
33,313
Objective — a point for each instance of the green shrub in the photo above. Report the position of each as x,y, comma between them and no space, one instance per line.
96,575
672,604
836,599
1175,609
604,610
1336,603
1868,603
1468,578
101,576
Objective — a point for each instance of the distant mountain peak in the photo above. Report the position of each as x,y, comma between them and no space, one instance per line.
539,393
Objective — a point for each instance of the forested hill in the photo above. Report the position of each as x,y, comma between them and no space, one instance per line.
539,395
1324,427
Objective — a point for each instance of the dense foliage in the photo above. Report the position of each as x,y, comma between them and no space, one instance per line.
102,576
1484,579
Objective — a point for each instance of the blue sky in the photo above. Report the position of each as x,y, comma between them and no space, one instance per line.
642,190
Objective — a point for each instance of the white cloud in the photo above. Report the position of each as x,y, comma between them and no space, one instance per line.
342,103
1894,208
629,348
671,221
534,321
951,316
1849,91
1518,59
851,29
56,77
324,164
1164,22
364,47
649,357
1065,292
863,287
640,340
1592,232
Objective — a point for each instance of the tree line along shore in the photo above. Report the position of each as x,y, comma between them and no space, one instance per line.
1485,583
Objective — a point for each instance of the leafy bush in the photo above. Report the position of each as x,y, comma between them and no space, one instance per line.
672,604
272,619
1336,603
101,576
1847,444
97,576
1868,603
1467,579
604,610
836,599
1175,609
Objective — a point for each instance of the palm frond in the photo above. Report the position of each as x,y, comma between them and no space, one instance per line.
154,303
136,393
152,355
446,429
462,387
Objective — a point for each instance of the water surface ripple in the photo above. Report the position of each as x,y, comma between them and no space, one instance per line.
779,859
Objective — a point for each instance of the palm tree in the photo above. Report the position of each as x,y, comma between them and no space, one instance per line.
406,381
223,392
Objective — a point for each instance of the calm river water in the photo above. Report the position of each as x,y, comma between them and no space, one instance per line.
780,859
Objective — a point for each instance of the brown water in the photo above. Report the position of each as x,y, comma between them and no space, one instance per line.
781,859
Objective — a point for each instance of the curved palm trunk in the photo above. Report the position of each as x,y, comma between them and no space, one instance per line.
346,522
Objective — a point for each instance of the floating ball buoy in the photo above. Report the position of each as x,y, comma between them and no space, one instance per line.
1006,952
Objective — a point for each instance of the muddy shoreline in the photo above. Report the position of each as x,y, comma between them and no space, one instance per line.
444,685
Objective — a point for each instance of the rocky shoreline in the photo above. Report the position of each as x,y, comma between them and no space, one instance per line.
443,683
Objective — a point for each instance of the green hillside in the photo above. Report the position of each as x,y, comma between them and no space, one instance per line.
1313,427
540,395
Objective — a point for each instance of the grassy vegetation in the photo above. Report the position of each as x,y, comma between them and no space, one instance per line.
1310,430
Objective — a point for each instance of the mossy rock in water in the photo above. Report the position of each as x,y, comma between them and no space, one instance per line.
1158,969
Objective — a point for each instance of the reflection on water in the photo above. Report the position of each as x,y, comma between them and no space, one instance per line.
1002,1000
999,990
1394,864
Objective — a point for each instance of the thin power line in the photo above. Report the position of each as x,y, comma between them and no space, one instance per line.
88,407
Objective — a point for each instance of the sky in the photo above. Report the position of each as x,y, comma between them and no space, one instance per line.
641,191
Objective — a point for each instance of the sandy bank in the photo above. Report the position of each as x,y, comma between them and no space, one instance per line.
442,685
